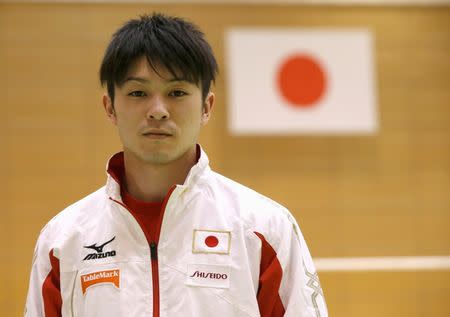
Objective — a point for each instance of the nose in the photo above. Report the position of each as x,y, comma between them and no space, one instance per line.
157,109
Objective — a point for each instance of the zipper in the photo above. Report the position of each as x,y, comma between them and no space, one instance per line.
154,256
154,250
155,277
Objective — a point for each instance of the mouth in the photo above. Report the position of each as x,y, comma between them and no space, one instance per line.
157,134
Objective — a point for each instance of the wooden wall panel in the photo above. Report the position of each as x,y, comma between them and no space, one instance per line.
353,196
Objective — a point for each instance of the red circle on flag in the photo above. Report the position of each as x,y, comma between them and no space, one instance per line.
211,241
301,80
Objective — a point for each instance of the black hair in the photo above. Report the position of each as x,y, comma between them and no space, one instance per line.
171,42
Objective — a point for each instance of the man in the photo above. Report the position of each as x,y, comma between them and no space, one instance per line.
167,236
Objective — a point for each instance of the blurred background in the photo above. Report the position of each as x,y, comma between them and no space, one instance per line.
370,195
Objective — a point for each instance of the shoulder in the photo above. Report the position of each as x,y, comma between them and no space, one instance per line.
72,218
259,212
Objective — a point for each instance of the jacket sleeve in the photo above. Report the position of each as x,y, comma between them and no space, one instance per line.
44,296
288,284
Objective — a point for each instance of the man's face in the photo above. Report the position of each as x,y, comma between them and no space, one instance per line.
158,117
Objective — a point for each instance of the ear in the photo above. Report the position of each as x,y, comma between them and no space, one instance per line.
109,108
207,108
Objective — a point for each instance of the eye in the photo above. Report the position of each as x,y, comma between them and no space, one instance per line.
137,93
177,93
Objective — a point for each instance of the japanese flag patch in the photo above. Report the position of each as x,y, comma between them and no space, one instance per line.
211,241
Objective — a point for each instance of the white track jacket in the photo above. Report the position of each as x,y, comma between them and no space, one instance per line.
223,250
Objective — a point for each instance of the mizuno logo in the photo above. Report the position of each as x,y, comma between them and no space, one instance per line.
99,249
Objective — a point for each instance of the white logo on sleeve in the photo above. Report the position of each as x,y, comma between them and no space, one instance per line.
211,241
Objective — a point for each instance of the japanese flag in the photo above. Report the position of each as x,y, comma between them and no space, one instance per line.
211,241
293,81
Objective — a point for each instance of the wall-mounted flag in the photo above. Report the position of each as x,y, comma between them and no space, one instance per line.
300,81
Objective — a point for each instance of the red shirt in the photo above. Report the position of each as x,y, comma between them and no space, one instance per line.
147,214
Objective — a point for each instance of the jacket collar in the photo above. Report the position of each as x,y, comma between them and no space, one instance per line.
115,172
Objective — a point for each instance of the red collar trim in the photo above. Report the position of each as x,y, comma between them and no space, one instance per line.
116,168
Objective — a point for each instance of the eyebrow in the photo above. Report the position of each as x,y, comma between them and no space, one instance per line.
146,81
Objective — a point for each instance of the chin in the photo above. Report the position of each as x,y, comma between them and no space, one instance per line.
160,155
157,158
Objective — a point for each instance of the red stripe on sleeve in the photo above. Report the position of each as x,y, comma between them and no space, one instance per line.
270,275
51,289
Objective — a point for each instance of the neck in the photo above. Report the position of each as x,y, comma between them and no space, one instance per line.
151,182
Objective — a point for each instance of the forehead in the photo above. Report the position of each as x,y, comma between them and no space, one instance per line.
142,68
